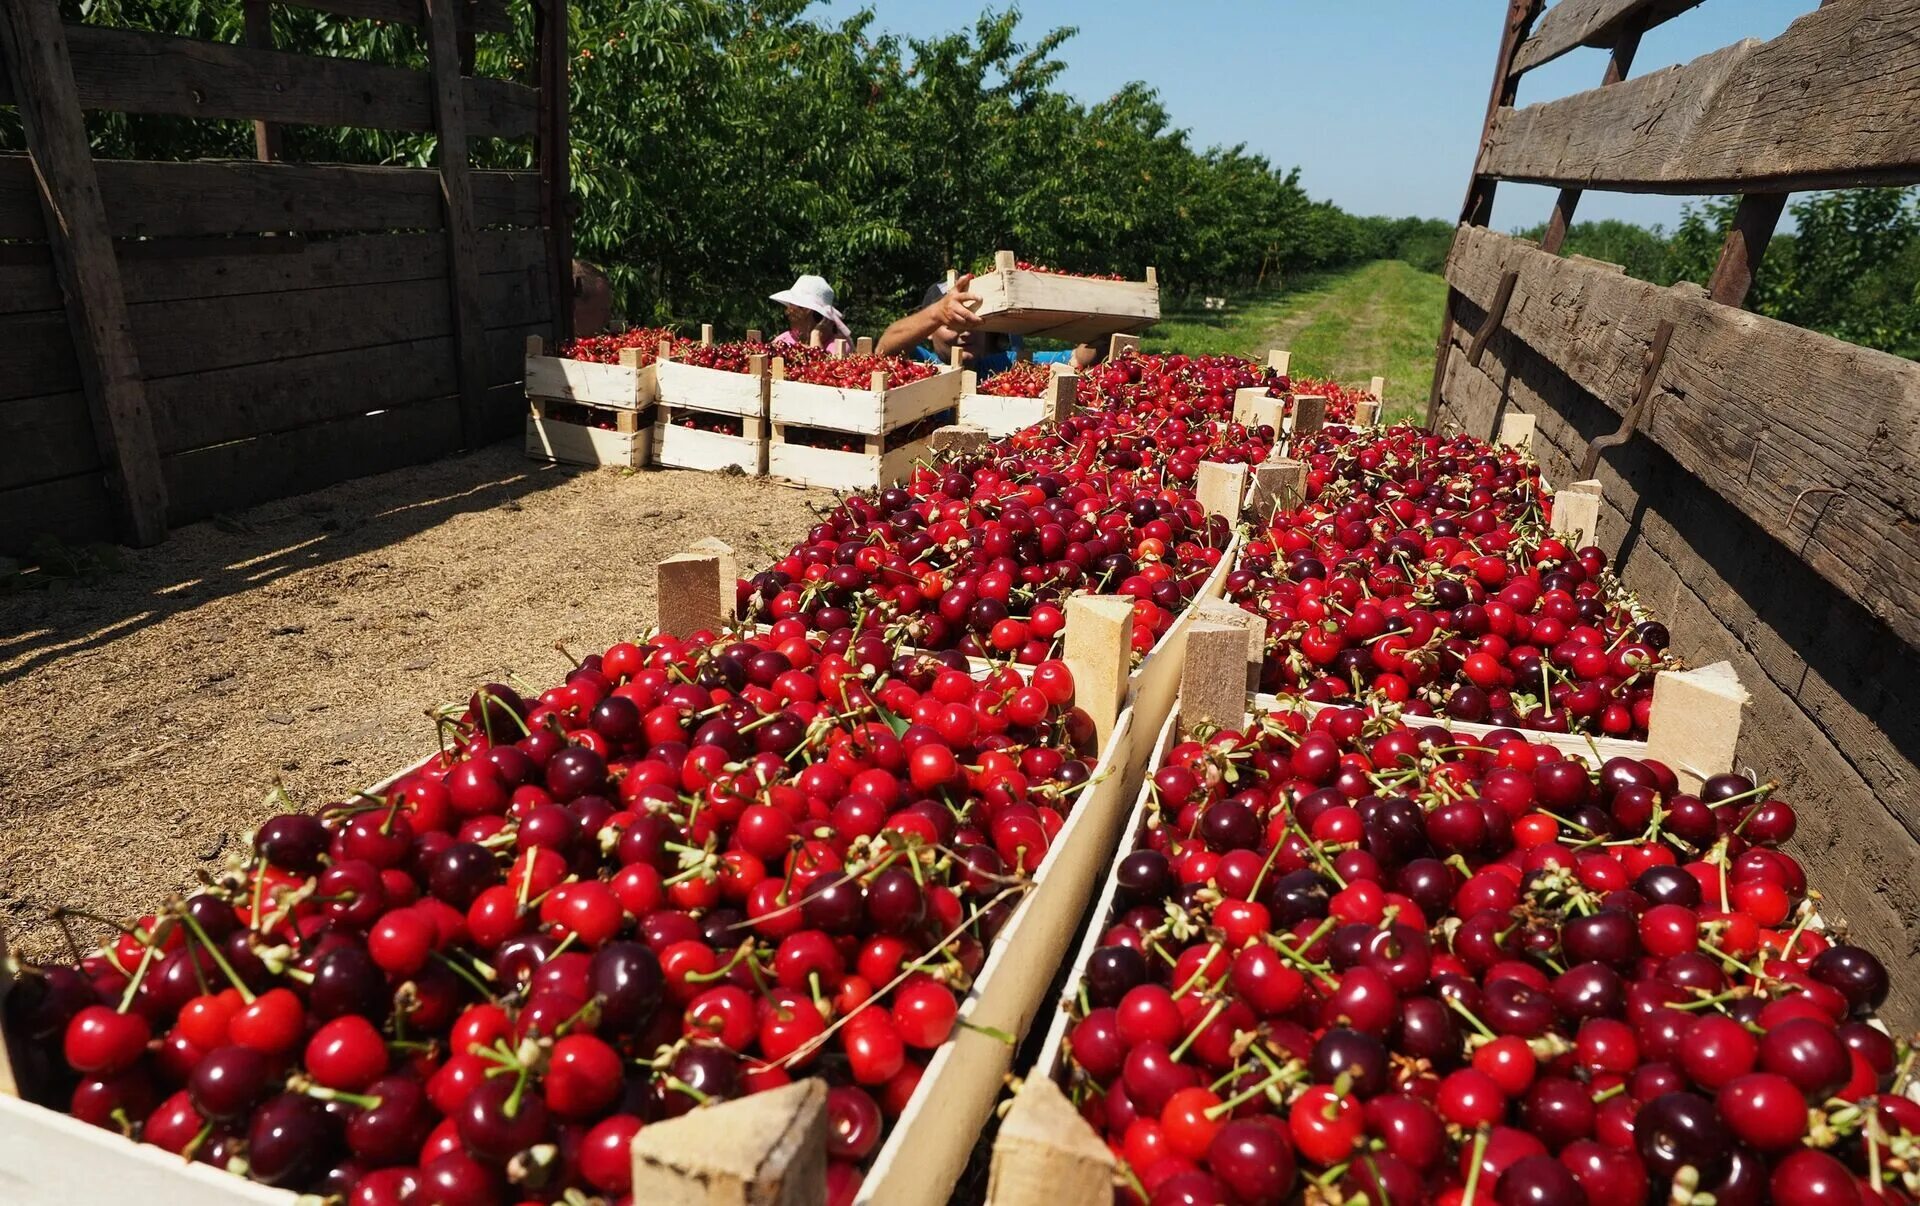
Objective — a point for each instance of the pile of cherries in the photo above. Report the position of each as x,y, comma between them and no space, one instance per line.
1030,266
692,871
1354,961
736,355
855,372
606,349
1023,379
1419,570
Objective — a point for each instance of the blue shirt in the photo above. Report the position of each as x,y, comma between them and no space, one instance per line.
996,362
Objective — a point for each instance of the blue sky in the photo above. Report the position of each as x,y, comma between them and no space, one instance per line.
1378,102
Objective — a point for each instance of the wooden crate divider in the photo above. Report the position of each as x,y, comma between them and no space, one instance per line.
1221,488
1279,360
1253,407
1576,511
1309,414
624,392
1278,482
873,413
1120,345
1074,308
1516,430
614,386
1000,416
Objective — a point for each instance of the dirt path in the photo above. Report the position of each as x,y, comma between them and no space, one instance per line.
148,709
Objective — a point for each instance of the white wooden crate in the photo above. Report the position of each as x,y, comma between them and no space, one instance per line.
1074,308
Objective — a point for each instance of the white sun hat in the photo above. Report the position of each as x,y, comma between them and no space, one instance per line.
812,292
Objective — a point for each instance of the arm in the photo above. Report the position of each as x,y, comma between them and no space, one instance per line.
950,311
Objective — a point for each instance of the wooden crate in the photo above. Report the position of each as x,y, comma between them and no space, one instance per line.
616,386
1074,308
999,416
556,439
869,413
741,398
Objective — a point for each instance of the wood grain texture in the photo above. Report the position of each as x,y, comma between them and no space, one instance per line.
136,71
226,197
1763,412
46,438
1827,104
1574,23
33,45
456,201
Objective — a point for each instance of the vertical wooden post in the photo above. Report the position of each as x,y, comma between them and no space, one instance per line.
1278,483
1618,64
456,195
552,153
259,35
696,589
1478,207
1576,512
34,45
1221,488
1746,245
1309,414
1099,651
765,1149
1213,680
1046,1152
1695,722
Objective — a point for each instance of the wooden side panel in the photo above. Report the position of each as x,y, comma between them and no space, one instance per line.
574,444
708,389
53,1159
45,438
1827,104
73,510
136,71
188,200
1573,23
485,16
1762,412
676,447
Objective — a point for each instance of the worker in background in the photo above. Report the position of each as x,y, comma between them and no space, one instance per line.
810,307
592,301
946,320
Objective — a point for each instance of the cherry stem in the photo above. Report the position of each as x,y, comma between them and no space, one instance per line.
219,960
1473,1173
1205,1022
140,972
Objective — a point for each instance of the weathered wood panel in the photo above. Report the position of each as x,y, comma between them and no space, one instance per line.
135,71
1574,23
452,123
189,200
46,437
1832,715
1827,104
73,510
1770,416
486,16
195,335
228,476
36,355
27,279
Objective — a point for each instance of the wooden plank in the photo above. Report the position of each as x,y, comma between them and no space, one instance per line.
176,270
28,281
486,16
1824,105
73,510
694,591
551,156
137,71
717,391
187,200
1746,404
52,1159
862,411
257,16
677,447
45,438
1046,1152
456,199
196,410
33,45
1076,308
1575,23
229,476
576,444
37,355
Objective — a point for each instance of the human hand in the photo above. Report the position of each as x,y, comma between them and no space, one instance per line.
955,307
1085,356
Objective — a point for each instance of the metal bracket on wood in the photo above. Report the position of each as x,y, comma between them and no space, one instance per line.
1496,314
1641,409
